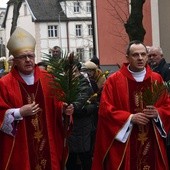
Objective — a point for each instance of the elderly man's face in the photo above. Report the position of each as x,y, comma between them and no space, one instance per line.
25,62
154,57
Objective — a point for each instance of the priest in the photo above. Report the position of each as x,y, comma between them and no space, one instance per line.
133,117
31,127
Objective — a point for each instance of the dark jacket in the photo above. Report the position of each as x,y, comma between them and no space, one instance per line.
163,69
80,138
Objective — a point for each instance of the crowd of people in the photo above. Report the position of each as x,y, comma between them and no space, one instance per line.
114,125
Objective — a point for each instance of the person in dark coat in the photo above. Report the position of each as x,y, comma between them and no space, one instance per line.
158,62
96,61
79,141
159,65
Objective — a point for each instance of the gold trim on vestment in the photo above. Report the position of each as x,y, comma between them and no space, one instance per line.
13,143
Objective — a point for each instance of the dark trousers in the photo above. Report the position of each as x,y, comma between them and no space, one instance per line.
85,161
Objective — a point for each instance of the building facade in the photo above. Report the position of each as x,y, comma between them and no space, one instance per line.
68,24
55,23
2,37
111,15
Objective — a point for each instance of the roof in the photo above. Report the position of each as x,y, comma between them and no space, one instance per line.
50,11
46,10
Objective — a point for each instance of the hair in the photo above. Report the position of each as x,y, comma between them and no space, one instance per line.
56,47
159,49
134,42
79,65
42,63
95,60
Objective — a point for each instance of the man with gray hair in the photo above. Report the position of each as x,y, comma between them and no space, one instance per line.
158,62
56,52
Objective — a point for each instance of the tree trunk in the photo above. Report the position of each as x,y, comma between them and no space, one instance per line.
134,26
17,5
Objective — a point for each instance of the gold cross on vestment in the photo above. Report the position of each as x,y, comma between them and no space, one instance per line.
142,137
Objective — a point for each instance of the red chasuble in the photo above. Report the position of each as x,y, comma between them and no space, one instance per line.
38,143
144,148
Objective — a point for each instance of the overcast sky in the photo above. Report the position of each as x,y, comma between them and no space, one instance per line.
3,3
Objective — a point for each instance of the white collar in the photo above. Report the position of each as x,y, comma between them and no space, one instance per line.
138,76
29,79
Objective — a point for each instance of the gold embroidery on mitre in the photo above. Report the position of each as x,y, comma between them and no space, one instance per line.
20,41
21,35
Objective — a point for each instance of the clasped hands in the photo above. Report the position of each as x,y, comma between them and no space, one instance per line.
142,118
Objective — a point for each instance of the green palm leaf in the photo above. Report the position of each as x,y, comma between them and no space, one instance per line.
65,80
153,93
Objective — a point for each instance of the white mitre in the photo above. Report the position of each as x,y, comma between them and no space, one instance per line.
21,41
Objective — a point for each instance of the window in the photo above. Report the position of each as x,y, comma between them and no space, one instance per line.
80,53
52,31
90,30
90,52
78,30
76,7
88,7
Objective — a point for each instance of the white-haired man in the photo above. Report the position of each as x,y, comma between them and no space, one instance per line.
158,62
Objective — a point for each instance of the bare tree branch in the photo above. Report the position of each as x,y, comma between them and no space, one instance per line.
17,5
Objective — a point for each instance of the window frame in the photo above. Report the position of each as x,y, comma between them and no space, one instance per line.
88,7
90,53
78,30
80,53
90,29
53,32
76,7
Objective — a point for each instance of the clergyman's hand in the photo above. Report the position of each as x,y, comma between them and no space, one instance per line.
150,112
139,119
29,109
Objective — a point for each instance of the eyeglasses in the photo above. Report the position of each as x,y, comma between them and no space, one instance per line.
24,57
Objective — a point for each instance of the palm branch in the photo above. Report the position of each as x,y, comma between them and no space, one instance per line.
66,82
65,87
153,93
